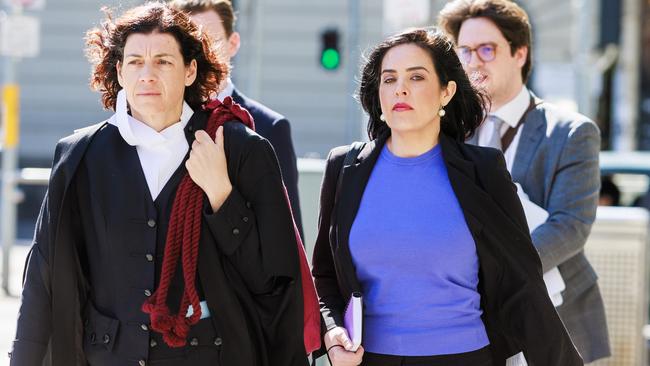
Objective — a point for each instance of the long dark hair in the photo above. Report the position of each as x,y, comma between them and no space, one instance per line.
466,109
105,48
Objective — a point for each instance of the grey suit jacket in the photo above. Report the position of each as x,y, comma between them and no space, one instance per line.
556,163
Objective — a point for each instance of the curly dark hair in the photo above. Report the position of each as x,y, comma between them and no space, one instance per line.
466,109
105,48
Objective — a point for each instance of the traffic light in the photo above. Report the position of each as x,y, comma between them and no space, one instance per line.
330,55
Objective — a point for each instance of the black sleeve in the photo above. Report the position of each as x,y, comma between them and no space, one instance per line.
253,227
34,327
572,198
280,139
324,272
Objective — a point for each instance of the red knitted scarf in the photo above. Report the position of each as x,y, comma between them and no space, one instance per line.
183,241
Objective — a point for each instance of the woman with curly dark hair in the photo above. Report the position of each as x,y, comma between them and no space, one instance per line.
165,237
428,230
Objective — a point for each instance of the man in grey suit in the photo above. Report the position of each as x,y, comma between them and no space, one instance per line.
551,153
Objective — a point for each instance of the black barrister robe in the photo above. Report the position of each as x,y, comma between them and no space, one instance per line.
250,276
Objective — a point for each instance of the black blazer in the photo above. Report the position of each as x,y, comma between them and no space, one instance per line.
517,312
250,276
276,128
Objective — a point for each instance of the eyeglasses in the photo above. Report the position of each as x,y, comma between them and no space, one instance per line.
486,52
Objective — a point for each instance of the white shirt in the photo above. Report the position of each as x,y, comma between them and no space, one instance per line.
160,153
510,113
227,90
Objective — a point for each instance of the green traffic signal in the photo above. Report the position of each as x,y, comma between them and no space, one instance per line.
330,59
330,52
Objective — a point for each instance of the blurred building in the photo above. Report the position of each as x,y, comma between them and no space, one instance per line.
279,65
590,55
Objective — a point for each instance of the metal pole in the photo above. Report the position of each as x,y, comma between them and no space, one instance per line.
9,164
582,44
353,116
626,84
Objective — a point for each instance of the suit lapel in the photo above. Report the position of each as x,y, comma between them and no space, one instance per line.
454,159
353,184
237,97
463,180
531,135
478,206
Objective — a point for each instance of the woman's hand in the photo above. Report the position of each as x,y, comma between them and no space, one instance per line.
339,348
208,168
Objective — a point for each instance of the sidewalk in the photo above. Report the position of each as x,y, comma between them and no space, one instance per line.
9,304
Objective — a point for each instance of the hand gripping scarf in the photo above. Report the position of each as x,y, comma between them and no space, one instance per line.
183,241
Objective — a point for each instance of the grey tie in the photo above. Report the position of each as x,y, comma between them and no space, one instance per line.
495,139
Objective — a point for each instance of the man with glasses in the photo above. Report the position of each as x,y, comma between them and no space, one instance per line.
217,17
552,154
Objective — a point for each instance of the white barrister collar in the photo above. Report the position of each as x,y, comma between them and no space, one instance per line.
136,132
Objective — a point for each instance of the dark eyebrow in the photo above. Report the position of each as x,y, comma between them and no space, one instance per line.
409,69
491,44
158,55
417,68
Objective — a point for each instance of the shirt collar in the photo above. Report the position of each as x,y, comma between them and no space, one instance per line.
227,90
512,111
135,132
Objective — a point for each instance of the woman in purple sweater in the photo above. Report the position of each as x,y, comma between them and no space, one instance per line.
428,229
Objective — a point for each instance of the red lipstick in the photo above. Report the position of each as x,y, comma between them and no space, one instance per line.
400,107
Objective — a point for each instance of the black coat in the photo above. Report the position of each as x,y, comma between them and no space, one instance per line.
517,312
276,128
250,280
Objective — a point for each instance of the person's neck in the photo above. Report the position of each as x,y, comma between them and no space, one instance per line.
413,143
499,101
159,121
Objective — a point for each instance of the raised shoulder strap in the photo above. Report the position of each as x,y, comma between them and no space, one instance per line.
354,151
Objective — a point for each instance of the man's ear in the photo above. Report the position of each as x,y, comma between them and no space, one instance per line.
520,55
118,66
234,41
190,73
